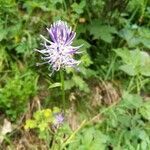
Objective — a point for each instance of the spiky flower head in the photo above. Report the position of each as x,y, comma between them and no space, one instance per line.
58,51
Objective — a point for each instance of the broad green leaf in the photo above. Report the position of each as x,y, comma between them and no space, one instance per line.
97,144
99,141
146,42
69,84
145,64
128,69
124,120
79,82
130,37
100,31
144,36
135,61
88,136
145,71
131,101
135,37
126,34
124,53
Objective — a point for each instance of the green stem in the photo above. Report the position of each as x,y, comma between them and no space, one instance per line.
130,88
63,89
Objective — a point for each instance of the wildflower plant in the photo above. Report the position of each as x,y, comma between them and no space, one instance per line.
46,122
58,52
44,118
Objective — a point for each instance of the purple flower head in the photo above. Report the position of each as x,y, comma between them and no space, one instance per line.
59,119
58,52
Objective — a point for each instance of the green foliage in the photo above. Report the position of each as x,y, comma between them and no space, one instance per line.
100,31
45,122
121,127
16,92
144,110
136,36
78,8
135,61
103,26
42,119
3,58
89,138
78,82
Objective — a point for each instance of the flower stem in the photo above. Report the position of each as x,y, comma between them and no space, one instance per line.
63,89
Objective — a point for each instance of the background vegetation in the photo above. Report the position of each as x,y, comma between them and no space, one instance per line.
108,98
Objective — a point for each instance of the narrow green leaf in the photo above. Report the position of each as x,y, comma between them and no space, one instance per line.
54,85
